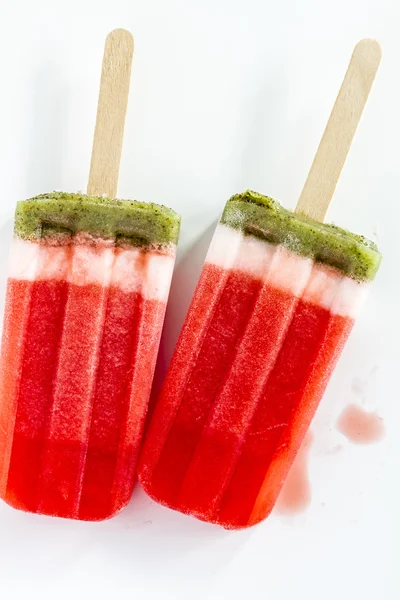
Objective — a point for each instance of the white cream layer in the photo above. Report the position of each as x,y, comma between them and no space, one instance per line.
130,269
285,270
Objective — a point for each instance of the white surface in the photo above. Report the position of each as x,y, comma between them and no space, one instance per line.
226,95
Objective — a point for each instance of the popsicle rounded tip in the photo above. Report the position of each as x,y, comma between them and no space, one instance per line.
122,36
370,49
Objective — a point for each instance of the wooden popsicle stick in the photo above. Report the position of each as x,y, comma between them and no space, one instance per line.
325,171
111,111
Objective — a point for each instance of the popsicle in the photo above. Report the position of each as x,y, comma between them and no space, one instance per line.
274,305
86,295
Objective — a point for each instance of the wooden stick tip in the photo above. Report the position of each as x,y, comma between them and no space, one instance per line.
122,36
370,49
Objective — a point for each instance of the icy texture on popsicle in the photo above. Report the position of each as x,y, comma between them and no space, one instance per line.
274,305
87,289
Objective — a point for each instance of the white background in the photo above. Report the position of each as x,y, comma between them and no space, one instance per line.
226,95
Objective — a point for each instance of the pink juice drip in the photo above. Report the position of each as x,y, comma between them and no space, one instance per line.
360,426
295,495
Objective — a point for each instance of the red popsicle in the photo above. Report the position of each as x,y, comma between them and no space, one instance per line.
86,296
274,305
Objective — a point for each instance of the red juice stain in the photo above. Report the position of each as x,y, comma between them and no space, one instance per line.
360,426
295,495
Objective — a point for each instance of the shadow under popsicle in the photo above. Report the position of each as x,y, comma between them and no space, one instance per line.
147,538
187,271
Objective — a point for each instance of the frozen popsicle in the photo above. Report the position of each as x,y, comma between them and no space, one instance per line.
86,295
275,303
